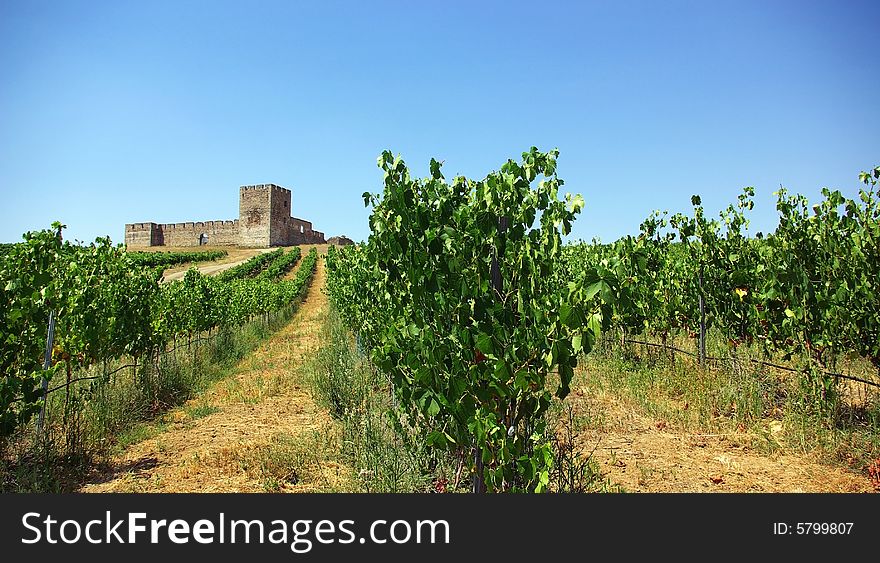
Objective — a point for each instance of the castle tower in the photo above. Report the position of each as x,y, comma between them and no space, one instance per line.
253,216
264,213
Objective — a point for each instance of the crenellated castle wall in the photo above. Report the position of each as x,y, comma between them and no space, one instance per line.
190,233
264,221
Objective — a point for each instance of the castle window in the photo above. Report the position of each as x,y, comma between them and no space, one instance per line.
203,239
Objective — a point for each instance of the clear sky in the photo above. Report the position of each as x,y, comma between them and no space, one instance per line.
117,112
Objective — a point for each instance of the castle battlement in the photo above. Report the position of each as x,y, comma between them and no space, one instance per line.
257,187
139,226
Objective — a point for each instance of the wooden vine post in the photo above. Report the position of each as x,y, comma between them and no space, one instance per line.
702,357
47,362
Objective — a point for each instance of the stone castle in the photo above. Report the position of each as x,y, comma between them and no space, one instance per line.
264,220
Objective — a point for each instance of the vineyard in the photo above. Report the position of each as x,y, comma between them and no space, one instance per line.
490,342
808,290
465,296
75,316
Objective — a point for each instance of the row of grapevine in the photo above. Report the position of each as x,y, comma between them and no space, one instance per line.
199,303
454,296
809,289
154,259
281,265
252,267
105,306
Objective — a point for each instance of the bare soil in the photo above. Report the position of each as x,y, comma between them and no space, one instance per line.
643,454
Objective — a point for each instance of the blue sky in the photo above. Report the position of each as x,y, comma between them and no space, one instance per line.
120,112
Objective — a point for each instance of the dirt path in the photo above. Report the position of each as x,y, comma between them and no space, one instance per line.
643,454
250,432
